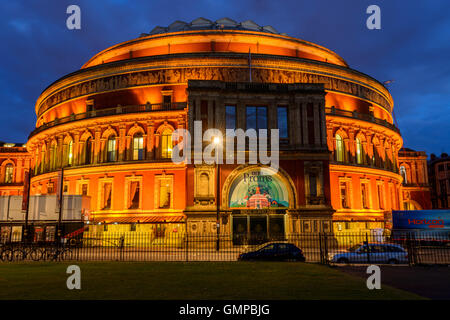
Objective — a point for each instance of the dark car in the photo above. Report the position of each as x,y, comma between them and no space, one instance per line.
274,251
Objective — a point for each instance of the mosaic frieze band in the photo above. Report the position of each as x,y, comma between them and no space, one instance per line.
181,75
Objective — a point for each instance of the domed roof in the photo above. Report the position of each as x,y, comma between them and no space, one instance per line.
205,24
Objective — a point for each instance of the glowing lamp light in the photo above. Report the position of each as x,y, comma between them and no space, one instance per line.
216,140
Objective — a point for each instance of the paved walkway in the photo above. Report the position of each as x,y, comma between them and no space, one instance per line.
431,282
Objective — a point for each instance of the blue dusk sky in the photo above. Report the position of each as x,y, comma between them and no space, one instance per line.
412,48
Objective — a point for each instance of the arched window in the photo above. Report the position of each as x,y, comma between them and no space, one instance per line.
138,147
376,157
111,149
9,170
359,152
339,149
88,150
70,153
403,174
166,144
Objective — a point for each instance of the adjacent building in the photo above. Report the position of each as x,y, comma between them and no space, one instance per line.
14,161
415,186
439,174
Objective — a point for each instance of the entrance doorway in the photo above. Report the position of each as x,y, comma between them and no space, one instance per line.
257,229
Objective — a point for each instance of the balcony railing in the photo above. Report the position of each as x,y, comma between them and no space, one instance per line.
13,149
11,184
360,116
156,107
369,165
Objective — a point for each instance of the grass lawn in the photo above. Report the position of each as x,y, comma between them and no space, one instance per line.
196,281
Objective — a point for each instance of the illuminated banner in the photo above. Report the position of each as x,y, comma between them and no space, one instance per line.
433,220
258,189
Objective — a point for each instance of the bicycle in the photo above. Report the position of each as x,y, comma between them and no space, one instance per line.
22,253
57,254
6,254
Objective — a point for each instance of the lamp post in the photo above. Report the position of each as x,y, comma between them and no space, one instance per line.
216,141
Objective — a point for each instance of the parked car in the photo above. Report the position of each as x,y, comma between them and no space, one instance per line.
275,251
372,253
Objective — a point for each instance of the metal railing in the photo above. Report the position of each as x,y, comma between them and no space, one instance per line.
148,107
325,248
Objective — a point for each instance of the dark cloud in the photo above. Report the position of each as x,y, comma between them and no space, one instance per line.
412,48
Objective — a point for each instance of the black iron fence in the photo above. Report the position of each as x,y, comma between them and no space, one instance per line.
325,248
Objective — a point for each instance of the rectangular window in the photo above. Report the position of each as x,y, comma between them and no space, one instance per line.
256,117
138,147
365,195
230,117
112,149
393,201
283,123
84,189
344,197
380,196
165,193
134,195
312,185
50,188
106,199
167,100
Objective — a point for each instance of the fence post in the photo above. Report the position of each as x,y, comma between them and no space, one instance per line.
326,248
320,248
414,245
409,249
122,241
187,246
368,248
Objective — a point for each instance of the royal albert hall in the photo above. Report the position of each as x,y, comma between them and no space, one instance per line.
110,124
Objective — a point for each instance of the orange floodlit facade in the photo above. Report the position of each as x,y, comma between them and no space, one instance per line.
109,126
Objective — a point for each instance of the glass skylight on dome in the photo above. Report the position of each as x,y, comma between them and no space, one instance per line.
205,24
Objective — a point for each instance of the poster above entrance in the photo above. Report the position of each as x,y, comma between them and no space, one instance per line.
258,189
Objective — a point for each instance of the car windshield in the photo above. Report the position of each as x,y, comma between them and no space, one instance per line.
267,248
263,245
354,248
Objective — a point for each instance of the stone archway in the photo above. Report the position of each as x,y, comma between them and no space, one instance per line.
258,199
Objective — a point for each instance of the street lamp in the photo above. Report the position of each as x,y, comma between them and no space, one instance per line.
216,142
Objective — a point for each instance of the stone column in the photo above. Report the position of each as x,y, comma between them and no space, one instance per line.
60,152
76,149
122,144
352,146
304,122
316,107
330,140
150,139
97,146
